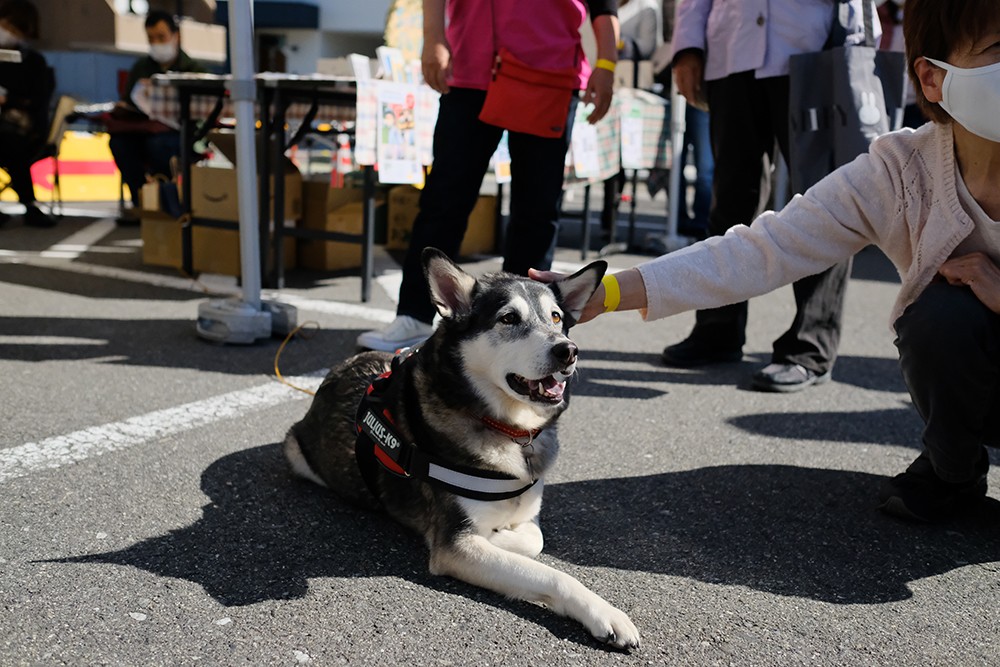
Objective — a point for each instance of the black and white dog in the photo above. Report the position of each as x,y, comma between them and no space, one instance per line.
454,439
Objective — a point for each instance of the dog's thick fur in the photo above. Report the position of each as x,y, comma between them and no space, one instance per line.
495,333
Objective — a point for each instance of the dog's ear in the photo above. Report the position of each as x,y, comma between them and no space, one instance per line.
574,291
451,287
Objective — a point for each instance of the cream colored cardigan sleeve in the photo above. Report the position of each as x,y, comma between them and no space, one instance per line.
859,204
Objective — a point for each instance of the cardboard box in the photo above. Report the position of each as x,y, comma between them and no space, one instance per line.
404,203
213,250
161,239
213,193
218,251
336,255
95,25
214,190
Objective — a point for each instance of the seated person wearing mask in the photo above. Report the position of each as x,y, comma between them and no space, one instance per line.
139,145
25,91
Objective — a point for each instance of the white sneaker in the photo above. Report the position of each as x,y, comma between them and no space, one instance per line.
404,331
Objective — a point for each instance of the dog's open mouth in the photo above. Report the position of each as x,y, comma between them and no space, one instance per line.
545,390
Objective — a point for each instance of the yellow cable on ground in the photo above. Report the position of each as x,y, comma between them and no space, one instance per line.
281,348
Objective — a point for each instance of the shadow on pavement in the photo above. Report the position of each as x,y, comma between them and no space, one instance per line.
875,373
901,426
783,530
54,279
167,343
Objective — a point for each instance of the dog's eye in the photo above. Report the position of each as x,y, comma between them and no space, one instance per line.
510,318
556,317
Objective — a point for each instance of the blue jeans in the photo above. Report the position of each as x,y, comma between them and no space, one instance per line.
698,142
141,153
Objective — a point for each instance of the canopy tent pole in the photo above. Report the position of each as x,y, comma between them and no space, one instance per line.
246,320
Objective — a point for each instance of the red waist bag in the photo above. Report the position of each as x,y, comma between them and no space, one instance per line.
527,99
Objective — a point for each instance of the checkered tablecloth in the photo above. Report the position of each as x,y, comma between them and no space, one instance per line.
656,140
162,103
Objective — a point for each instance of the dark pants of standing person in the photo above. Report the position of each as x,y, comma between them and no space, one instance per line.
949,354
747,116
16,152
463,146
697,142
141,153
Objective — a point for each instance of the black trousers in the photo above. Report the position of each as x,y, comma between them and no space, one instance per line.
949,354
463,146
16,154
747,117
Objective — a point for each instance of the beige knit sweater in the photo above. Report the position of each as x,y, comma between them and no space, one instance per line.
901,196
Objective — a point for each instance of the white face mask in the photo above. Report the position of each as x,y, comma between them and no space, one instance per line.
972,97
163,53
7,39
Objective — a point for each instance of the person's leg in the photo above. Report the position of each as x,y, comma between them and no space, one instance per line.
741,133
804,355
697,135
160,148
16,157
462,148
17,163
949,355
609,209
537,165
129,152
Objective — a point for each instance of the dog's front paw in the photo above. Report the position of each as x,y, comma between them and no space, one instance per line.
525,539
613,627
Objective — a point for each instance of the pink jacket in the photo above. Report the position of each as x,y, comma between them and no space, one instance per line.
901,196
542,34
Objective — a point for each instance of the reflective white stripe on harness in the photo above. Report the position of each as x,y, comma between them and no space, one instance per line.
475,483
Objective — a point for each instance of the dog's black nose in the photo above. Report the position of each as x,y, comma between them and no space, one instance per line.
565,352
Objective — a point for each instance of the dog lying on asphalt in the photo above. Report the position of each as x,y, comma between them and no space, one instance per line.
454,439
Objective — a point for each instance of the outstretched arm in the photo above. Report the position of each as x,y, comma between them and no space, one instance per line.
630,286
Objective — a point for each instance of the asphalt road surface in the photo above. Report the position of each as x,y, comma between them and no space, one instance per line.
148,517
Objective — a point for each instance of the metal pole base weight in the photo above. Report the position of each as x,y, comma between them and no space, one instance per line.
232,321
284,317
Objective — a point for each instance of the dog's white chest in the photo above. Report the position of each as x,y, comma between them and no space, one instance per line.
492,515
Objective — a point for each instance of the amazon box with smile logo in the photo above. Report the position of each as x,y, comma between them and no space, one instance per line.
213,188
214,197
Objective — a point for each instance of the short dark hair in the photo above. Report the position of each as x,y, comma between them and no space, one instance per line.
935,28
155,16
22,14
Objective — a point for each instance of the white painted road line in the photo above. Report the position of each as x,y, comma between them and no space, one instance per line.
78,446
77,243
340,308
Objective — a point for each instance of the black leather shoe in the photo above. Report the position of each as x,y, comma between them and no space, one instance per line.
787,378
692,352
33,217
920,495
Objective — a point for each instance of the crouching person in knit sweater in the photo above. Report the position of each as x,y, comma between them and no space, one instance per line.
930,200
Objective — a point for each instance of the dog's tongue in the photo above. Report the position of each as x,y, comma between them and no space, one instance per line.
549,386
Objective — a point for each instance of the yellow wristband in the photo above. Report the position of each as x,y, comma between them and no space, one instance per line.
604,63
612,293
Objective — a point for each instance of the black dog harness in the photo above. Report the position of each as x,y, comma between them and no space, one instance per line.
379,444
